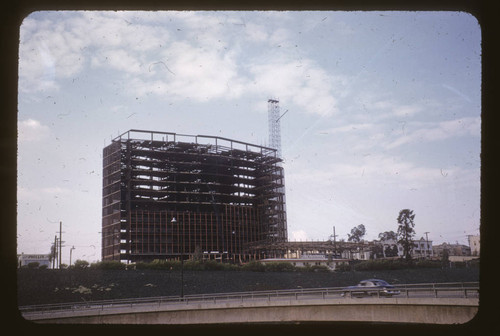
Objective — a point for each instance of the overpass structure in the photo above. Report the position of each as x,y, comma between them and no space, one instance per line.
455,303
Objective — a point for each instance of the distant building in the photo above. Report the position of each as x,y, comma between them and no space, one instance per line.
25,259
390,248
474,245
422,248
453,249
309,260
361,254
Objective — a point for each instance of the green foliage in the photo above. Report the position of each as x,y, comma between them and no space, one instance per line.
33,264
191,265
81,264
445,259
164,264
388,264
279,267
391,251
316,268
108,264
388,235
377,252
406,232
357,233
459,264
428,264
254,266
380,264
343,267
212,265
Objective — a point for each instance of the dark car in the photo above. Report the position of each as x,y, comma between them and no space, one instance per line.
371,287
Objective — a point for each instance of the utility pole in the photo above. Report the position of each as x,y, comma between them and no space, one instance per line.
334,242
54,253
427,242
60,243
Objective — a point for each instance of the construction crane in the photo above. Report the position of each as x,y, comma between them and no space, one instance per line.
273,110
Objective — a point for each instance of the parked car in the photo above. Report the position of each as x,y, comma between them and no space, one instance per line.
371,287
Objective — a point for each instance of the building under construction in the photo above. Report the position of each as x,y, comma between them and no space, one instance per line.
172,196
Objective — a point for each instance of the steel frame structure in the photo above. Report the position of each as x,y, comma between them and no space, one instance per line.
225,194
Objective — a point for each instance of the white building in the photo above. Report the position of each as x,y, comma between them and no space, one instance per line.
41,259
422,248
356,254
474,245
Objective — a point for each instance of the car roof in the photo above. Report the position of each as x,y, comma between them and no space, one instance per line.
373,280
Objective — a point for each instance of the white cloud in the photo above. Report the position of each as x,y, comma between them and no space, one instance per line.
376,170
55,48
302,83
119,59
428,132
202,63
406,110
350,128
256,33
28,194
299,235
31,130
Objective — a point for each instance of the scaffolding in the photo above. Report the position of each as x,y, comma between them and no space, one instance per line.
297,249
273,114
223,193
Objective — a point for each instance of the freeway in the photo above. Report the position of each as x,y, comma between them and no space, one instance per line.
339,295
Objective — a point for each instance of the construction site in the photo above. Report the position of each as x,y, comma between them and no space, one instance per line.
176,196
169,196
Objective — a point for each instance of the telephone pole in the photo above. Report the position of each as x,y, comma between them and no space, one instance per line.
60,243
54,253
334,242
427,242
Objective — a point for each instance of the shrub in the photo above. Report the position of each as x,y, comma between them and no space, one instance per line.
319,268
212,265
343,267
380,264
428,264
279,267
81,264
33,264
254,266
459,264
109,264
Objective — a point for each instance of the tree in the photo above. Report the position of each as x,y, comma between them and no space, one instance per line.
198,253
377,251
406,232
81,264
388,235
391,251
357,233
445,258
33,264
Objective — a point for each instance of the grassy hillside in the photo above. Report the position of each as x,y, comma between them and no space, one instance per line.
37,286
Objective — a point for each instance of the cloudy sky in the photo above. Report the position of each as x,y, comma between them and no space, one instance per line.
384,112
